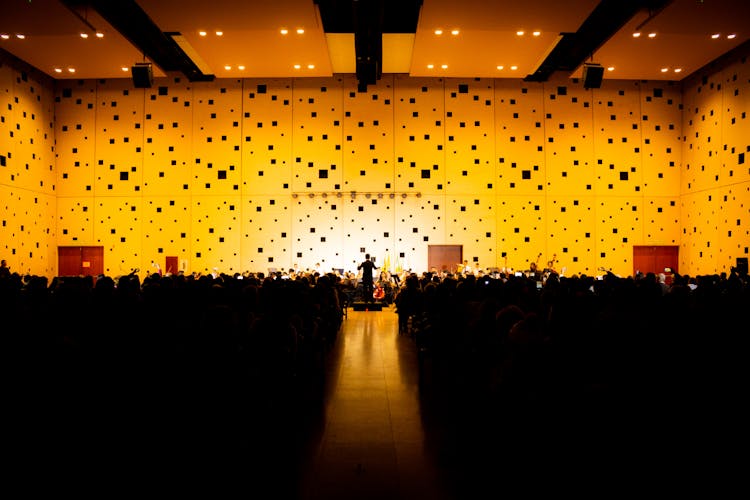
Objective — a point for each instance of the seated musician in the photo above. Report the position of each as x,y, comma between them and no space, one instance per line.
466,268
534,272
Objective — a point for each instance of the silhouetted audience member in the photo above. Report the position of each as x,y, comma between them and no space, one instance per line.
409,302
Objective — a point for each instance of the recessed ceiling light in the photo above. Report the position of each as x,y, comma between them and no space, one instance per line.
438,31
284,31
125,69
20,36
430,66
310,66
297,66
5,36
678,70
99,34
58,70
501,67
636,34
454,32
715,36
71,70
536,33
444,66
202,33
84,35
219,33
664,70
519,32
731,36
652,35
611,68
514,67
227,67
300,31
241,67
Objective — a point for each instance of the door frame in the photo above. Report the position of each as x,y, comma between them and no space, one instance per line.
80,260
656,259
445,257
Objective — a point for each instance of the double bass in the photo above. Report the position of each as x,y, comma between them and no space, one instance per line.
551,264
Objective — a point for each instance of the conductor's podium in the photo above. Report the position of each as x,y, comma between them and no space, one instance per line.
367,306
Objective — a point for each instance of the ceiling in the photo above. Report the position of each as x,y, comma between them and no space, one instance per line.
352,36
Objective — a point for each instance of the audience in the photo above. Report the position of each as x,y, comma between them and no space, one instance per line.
171,353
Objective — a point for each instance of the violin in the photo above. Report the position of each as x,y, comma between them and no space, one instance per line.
378,293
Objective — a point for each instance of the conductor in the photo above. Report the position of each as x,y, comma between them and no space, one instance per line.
367,266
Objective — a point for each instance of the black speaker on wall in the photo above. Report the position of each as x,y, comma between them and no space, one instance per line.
592,76
742,265
143,75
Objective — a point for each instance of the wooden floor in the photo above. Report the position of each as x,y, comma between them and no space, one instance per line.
374,443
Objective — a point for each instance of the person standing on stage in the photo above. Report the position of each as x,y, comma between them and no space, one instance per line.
367,266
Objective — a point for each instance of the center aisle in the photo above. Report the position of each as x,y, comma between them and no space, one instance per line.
373,443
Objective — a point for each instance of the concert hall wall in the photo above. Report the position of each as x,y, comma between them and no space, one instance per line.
250,174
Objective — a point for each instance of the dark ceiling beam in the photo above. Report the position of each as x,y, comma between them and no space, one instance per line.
607,18
132,22
368,41
368,20
399,16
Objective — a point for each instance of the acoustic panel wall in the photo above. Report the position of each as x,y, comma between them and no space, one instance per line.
7,149
617,139
215,234
660,126
267,132
716,176
267,234
318,228
165,221
168,139
368,136
27,173
521,229
76,222
75,134
317,135
470,137
120,118
419,133
519,138
419,222
471,221
118,227
368,228
217,138
569,146
571,234
208,171
619,226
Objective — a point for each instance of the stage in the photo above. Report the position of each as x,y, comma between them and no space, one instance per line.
365,306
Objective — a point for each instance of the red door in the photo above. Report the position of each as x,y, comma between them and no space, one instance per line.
172,265
444,257
80,261
655,259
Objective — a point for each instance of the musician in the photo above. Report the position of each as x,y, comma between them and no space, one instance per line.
534,272
386,287
466,268
367,266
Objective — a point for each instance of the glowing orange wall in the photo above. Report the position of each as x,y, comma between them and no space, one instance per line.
715,180
250,174
27,173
